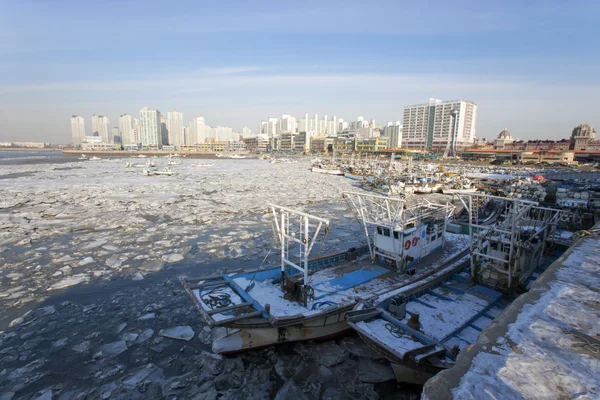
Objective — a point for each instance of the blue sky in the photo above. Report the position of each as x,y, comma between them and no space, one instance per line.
531,66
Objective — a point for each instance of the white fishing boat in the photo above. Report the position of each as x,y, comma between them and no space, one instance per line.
306,298
237,156
421,328
167,172
142,156
94,158
83,157
333,171
458,191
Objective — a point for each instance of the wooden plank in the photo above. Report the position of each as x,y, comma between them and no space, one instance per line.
233,307
239,318
206,284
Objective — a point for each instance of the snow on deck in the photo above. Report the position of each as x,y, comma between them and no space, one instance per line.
545,345
331,289
344,284
439,317
384,332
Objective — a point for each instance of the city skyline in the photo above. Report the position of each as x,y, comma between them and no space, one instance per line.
519,62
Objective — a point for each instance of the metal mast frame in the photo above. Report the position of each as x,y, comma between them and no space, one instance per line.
281,218
516,212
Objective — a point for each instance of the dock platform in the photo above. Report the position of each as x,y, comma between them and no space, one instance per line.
545,345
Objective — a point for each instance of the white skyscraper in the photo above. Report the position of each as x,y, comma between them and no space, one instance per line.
287,124
127,129
101,127
198,130
223,134
430,126
77,129
150,127
175,128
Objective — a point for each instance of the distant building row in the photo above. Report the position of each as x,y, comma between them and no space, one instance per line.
432,126
151,130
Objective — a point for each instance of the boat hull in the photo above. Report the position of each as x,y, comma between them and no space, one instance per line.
354,177
327,171
406,374
320,328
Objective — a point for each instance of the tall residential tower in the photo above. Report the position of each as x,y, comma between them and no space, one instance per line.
77,129
175,128
150,127
431,126
101,127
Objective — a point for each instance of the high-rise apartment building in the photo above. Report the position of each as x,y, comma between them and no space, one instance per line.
394,133
175,128
246,132
431,126
150,127
197,131
287,124
101,127
127,129
77,129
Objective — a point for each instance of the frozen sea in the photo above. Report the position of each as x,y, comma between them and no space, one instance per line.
90,252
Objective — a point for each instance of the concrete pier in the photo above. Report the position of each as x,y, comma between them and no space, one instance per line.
545,345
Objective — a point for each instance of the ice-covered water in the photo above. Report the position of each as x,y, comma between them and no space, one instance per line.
102,245
100,220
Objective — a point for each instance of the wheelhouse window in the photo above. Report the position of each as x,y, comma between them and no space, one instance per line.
386,232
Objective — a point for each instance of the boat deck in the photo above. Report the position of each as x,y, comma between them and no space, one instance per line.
452,313
226,298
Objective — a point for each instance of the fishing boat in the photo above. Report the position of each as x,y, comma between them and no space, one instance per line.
94,158
421,328
237,156
327,170
166,172
354,176
306,298
83,157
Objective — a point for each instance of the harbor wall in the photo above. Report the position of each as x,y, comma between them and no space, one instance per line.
505,361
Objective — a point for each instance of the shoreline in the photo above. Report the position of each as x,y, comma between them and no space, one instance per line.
149,153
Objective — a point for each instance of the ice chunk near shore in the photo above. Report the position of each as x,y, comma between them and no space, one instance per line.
70,281
179,332
171,258
85,261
